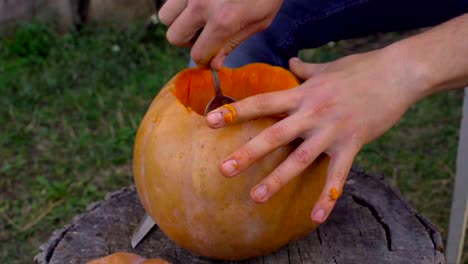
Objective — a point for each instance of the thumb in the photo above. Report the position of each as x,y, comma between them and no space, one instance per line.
305,70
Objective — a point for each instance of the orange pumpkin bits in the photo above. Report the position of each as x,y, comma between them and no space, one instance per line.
177,169
126,258
334,194
230,114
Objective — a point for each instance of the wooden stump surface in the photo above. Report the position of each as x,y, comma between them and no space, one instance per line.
371,223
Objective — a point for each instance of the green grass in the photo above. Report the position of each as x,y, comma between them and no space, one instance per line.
71,104
70,107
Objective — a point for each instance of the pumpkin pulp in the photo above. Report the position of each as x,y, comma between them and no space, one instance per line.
194,87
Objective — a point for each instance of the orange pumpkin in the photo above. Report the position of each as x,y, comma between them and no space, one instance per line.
126,258
176,169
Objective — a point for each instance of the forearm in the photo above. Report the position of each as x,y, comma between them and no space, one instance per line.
437,59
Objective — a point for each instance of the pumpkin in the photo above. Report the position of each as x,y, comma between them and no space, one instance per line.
176,169
126,258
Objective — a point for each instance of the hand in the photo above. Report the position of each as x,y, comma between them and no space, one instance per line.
224,23
342,106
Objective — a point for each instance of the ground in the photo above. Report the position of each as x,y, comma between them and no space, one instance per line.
71,104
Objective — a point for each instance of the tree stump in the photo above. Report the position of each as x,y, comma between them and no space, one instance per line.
66,15
371,223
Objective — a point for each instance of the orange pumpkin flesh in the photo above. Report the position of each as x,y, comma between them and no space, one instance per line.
126,258
176,169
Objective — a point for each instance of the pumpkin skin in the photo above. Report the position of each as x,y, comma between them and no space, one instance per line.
126,258
176,169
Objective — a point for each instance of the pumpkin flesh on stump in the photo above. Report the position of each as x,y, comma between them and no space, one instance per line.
126,258
176,169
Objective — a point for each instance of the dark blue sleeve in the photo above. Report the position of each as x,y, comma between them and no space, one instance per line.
304,24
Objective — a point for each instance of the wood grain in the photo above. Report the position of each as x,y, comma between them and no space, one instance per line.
371,223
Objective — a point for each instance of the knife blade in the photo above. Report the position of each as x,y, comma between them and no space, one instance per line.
146,224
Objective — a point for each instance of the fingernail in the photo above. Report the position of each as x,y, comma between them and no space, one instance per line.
319,216
260,192
214,118
230,167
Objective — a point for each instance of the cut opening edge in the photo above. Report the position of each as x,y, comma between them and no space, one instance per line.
194,87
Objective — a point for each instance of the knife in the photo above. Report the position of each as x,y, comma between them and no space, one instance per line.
146,224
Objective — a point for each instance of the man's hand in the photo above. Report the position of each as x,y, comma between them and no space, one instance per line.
341,106
224,24
345,104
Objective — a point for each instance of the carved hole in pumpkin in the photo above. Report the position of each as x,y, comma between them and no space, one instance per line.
194,87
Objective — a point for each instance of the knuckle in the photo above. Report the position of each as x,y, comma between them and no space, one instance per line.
164,15
171,37
163,18
340,175
302,156
220,23
262,101
196,56
231,45
196,6
276,135
322,107
247,154
276,182
223,21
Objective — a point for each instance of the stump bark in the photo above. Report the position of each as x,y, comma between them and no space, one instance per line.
371,223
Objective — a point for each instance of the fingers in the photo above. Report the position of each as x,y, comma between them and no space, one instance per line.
267,104
171,10
339,167
216,33
304,70
225,25
267,141
218,60
228,41
296,163
184,29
